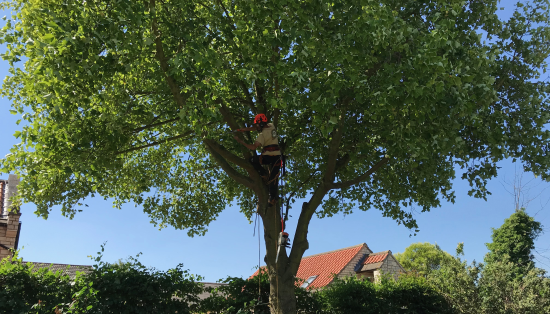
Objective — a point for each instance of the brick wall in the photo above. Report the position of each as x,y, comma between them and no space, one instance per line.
8,234
9,220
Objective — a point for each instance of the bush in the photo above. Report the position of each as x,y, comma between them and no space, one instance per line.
126,287
25,291
242,296
409,294
131,287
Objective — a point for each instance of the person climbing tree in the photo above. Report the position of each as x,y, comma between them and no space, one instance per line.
271,154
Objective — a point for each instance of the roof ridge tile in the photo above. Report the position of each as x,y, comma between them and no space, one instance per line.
334,251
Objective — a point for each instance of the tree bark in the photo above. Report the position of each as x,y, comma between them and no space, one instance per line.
282,299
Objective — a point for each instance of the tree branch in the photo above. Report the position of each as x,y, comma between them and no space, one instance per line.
230,120
227,14
156,143
333,152
361,178
300,241
249,100
220,150
154,125
164,64
231,172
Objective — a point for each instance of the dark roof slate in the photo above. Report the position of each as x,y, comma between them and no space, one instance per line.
65,269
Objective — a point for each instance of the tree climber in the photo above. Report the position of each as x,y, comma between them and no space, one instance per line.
271,154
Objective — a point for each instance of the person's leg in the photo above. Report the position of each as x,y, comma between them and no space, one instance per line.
274,164
255,161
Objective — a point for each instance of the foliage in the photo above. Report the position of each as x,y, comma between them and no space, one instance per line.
409,294
514,241
238,295
458,283
251,296
422,258
501,291
123,97
24,289
350,296
131,287
116,288
492,288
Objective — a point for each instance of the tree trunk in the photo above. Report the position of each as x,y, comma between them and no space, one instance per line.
282,299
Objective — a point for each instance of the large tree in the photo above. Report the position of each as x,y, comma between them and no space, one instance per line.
514,242
377,103
422,258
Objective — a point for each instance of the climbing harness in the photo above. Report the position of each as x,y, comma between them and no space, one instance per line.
270,148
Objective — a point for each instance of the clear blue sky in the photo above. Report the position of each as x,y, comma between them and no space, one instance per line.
229,249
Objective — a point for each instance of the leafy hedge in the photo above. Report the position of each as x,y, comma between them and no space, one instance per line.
130,287
110,288
410,294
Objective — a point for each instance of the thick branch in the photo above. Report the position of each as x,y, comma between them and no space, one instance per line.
333,149
260,96
231,172
228,155
157,143
361,178
164,64
276,115
230,120
300,241
249,100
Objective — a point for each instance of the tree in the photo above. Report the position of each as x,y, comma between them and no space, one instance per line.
458,283
376,103
422,258
491,288
514,241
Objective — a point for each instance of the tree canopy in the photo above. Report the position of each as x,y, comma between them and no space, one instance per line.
514,242
422,258
133,99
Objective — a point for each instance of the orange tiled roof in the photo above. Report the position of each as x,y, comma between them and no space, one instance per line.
326,265
323,265
376,257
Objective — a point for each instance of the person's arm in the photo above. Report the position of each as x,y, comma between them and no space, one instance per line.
250,128
249,146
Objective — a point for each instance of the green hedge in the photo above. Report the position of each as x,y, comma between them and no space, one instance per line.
126,287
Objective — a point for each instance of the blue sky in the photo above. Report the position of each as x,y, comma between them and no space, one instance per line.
229,249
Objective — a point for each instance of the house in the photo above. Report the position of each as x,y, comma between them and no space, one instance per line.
10,226
319,270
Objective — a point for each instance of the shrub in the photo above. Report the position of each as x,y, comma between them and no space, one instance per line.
23,290
131,287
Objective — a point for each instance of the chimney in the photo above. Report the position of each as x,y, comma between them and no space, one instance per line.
10,226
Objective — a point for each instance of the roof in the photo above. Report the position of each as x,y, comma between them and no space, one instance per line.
376,257
374,260
65,269
326,265
208,287
372,266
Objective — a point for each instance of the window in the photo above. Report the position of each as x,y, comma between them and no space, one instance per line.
308,281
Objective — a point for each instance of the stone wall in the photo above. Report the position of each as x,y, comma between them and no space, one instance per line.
390,266
349,270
